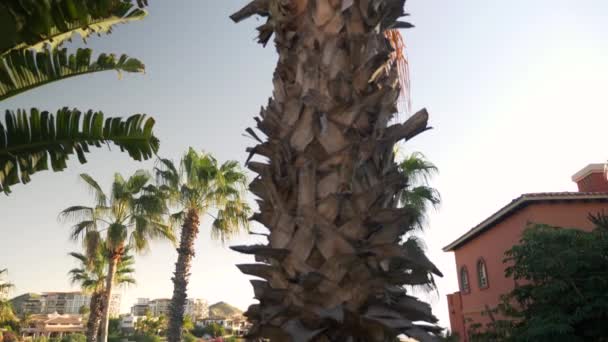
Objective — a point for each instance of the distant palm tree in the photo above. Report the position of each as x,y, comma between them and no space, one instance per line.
418,195
4,286
6,309
130,218
198,186
91,276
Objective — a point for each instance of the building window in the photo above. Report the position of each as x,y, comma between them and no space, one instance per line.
464,280
482,274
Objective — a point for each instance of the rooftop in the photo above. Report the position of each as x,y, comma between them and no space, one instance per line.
519,203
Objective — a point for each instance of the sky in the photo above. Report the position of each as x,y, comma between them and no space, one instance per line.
515,91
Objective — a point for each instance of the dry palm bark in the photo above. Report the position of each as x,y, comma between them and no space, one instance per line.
182,274
95,314
333,267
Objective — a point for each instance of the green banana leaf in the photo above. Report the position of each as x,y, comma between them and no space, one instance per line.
22,70
35,23
30,140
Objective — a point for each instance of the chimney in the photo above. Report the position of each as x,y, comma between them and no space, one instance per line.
592,178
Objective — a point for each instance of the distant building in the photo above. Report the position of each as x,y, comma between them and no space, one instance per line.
29,303
480,252
59,302
160,306
127,323
3,292
141,307
237,324
196,308
53,326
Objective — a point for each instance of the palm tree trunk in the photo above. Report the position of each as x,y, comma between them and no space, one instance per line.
96,312
185,253
107,298
333,267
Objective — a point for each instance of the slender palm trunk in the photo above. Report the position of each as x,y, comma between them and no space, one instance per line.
107,298
333,267
185,253
96,312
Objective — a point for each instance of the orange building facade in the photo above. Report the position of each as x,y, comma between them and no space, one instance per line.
479,253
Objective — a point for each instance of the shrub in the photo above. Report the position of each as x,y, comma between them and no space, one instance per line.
9,336
189,338
198,331
74,338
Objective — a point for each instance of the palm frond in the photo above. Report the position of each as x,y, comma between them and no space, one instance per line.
137,181
76,213
79,256
34,24
231,219
417,168
22,70
95,189
28,141
166,173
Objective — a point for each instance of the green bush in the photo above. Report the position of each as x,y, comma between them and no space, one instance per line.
145,338
189,338
74,338
198,331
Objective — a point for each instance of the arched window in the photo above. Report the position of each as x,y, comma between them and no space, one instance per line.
464,280
482,274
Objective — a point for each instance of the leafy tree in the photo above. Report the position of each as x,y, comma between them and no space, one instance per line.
188,324
199,185
215,330
328,183
562,277
198,331
114,327
129,219
91,276
30,57
151,326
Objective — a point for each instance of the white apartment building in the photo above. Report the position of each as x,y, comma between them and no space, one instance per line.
3,292
64,303
160,306
196,308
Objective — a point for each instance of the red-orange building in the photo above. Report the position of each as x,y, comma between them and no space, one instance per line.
479,253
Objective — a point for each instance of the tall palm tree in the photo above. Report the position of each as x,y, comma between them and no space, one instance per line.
91,276
199,185
129,219
334,266
30,57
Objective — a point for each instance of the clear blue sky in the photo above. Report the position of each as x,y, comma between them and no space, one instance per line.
516,92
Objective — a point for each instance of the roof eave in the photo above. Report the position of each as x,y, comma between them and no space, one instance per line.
521,200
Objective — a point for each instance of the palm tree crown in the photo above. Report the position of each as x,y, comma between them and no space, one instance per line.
202,184
418,195
91,274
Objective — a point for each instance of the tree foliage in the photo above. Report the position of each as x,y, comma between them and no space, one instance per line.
562,278
29,142
30,57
